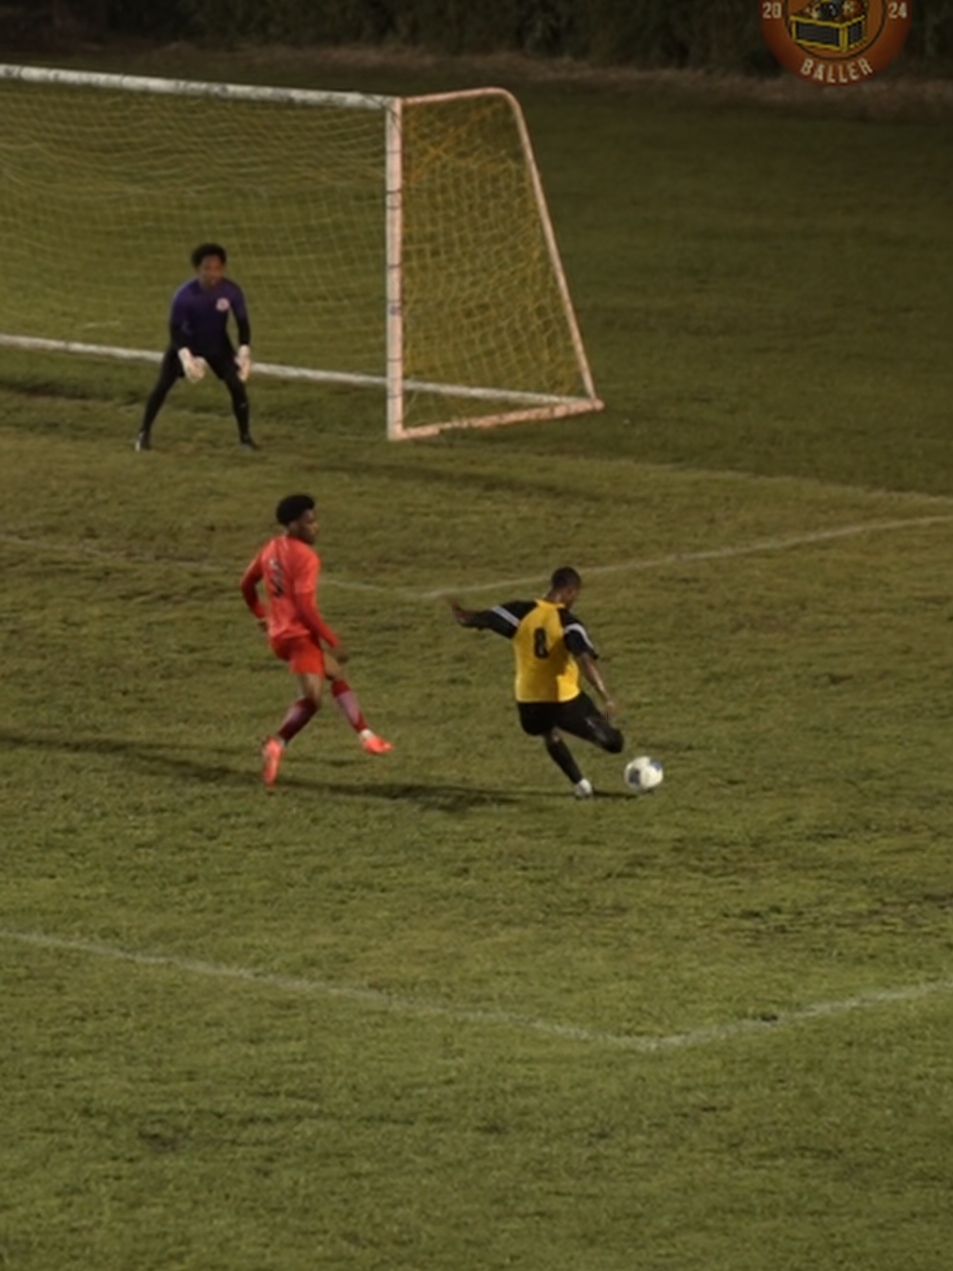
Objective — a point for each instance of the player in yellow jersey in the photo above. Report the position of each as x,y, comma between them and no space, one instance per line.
552,647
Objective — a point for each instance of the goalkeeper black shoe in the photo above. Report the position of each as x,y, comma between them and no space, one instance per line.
248,441
143,441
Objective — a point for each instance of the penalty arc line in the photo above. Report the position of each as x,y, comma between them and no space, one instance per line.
769,1022
714,553
412,595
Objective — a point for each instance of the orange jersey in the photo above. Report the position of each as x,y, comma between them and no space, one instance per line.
289,570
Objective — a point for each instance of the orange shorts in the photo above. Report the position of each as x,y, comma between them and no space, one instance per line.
303,656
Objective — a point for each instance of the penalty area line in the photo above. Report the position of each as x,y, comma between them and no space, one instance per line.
416,596
89,551
762,1025
712,553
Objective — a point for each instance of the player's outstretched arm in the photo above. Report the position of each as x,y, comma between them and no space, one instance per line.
460,615
504,620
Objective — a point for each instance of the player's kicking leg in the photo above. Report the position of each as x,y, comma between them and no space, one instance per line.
582,718
538,719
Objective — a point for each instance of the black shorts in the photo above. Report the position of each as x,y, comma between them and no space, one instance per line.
580,717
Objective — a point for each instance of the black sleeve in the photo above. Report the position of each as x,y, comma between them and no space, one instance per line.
177,335
503,619
576,636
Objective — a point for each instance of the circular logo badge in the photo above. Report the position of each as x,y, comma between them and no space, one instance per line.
842,42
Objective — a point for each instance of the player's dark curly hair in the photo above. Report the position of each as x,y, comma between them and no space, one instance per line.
208,249
563,577
293,506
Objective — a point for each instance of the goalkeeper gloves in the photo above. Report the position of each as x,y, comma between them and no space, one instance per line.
243,362
194,367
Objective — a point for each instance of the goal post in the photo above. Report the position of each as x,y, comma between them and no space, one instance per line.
397,244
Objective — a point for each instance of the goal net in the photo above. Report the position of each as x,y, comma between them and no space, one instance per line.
399,244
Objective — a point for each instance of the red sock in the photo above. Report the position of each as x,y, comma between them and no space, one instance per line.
345,699
299,713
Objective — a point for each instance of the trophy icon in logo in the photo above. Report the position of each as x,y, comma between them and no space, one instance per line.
835,41
834,26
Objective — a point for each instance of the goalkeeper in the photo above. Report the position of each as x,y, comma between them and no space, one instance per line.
198,327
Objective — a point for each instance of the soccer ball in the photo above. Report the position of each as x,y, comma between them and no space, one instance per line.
643,774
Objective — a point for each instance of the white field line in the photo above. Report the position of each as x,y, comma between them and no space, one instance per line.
728,552
88,551
712,553
647,1045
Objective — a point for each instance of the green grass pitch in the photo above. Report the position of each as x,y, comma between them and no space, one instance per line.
427,1012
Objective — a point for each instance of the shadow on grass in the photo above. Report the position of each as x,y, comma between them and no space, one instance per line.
153,758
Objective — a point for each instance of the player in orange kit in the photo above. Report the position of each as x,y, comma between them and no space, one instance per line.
288,567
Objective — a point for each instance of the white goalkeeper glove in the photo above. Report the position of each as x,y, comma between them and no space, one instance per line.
194,367
243,362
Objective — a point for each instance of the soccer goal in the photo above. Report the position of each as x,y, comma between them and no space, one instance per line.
398,244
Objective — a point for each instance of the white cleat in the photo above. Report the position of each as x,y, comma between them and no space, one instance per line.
583,789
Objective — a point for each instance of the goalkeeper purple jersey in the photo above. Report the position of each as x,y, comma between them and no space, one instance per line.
199,319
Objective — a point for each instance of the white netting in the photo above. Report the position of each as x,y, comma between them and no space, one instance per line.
104,191
103,195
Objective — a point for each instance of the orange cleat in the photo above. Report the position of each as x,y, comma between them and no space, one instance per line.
271,753
375,745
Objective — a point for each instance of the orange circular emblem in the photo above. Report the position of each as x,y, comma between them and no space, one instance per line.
835,41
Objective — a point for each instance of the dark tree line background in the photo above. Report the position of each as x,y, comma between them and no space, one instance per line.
719,35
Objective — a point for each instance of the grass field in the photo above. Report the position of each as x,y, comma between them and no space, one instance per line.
429,1012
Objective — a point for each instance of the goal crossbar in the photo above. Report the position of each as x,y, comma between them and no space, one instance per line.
192,88
430,232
